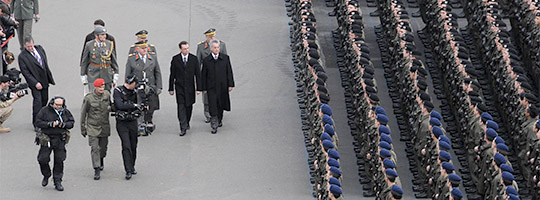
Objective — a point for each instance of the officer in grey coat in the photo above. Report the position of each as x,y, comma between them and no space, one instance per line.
203,51
95,123
143,35
24,12
146,67
99,61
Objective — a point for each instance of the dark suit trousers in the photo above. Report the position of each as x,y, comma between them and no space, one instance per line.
127,130
59,148
184,115
40,99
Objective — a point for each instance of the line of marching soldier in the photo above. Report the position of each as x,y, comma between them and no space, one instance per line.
317,124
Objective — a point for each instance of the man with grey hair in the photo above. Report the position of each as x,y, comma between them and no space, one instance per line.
203,51
217,81
99,61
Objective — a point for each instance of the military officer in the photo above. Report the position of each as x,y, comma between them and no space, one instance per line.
203,51
99,61
142,35
95,123
146,68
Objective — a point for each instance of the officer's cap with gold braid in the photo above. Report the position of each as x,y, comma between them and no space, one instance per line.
142,34
141,44
210,32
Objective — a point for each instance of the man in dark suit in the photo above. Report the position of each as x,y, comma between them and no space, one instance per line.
217,81
35,69
92,36
184,72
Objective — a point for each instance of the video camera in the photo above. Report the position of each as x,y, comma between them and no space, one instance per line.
15,85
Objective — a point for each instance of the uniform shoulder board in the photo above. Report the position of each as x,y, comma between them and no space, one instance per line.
132,45
131,54
152,45
201,42
152,53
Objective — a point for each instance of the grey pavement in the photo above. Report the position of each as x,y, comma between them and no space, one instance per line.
259,153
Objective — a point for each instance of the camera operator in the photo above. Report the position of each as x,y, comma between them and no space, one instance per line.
127,112
6,101
54,120
8,25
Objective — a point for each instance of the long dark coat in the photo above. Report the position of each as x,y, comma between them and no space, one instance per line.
183,77
217,76
32,71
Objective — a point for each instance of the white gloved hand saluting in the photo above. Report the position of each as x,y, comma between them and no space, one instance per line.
84,80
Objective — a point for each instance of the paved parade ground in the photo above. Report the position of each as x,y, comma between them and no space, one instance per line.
259,152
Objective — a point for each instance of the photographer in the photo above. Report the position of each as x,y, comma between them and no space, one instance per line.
54,120
8,25
6,101
127,112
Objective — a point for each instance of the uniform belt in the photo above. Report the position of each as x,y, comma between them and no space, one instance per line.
100,65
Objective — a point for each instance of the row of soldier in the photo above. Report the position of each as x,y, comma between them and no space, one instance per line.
317,124
476,125
514,91
428,146
367,119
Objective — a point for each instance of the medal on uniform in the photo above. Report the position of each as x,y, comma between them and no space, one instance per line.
93,56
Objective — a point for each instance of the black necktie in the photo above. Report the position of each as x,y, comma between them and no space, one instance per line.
185,61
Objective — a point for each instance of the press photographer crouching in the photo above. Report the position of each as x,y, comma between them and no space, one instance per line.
8,95
54,120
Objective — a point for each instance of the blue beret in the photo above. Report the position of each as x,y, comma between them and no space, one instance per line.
390,172
513,197
327,119
326,136
396,189
445,155
380,110
445,139
333,154
486,116
507,176
499,159
329,129
454,178
327,144
384,129
335,170
386,138
457,193
437,131
385,153
333,163
325,108
436,114
382,118
385,145
538,124
387,163
492,124
448,166
511,190
502,147
443,145
491,133
434,121
507,168
499,140
334,181
335,189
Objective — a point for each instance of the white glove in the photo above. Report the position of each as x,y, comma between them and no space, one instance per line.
84,80
115,78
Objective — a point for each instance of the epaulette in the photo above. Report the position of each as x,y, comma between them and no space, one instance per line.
152,53
201,42
131,54
132,45
152,45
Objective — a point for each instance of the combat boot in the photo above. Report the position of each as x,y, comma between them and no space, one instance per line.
58,185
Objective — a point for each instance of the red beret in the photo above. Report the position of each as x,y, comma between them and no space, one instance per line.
99,82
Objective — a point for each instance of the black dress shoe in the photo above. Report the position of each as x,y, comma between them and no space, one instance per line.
128,176
369,194
101,167
45,181
220,124
188,127
421,195
97,173
207,121
183,132
134,172
58,186
214,131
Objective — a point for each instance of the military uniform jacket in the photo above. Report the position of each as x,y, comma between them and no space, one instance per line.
136,65
95,114
99,62
24,9
203,50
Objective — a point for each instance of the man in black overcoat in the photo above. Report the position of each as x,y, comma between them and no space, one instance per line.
35,69
217,82
185,75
